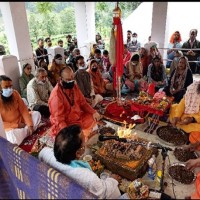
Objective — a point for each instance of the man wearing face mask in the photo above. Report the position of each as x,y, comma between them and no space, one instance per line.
18,122
134,45
38,91
68,105
55,67
85,83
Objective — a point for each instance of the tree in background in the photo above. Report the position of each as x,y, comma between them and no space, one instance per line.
56,19
67,19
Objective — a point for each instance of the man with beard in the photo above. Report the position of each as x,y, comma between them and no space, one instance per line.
68,106
41,52
18,122
38,91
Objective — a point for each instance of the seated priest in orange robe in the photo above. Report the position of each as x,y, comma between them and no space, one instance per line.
18,123
68,106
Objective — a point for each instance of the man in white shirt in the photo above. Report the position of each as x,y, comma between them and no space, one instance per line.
38,92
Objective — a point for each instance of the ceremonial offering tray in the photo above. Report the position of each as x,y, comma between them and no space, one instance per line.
184,155
172,136
128,160
178,172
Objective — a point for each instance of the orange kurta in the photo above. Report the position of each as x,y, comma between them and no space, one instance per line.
16,113
98,81
63,114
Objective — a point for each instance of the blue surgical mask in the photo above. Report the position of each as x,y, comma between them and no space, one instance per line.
7,92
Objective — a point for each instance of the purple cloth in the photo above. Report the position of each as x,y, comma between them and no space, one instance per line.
24,176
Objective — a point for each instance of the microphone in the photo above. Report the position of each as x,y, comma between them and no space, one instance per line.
114,137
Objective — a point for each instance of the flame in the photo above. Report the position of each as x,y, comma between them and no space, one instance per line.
124,132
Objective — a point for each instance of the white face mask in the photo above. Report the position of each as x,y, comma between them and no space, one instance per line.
83,67
134,39
7,92
58,61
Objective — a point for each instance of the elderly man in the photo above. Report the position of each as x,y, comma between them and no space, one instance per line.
17,121
68,106
38,91
85,83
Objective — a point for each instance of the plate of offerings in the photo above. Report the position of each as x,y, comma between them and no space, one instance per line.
127,159
179,173
172,136
183,155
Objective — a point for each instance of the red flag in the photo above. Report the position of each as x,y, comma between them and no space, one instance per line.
119,47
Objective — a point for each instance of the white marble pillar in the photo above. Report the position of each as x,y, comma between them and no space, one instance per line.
85,26
17,32
159,29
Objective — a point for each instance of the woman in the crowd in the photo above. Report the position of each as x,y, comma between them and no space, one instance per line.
175,42
156,73
54,67
174,63
101,86
179,80
66,155
186,114
134,78
144,58
24,79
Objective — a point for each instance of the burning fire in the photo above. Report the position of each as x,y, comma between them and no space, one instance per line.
124,132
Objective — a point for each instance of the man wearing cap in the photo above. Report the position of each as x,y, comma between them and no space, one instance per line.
134,45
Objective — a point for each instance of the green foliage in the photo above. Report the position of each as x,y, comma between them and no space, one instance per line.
67,19
57,19
44,7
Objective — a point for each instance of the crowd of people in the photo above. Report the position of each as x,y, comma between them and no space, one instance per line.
68,92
